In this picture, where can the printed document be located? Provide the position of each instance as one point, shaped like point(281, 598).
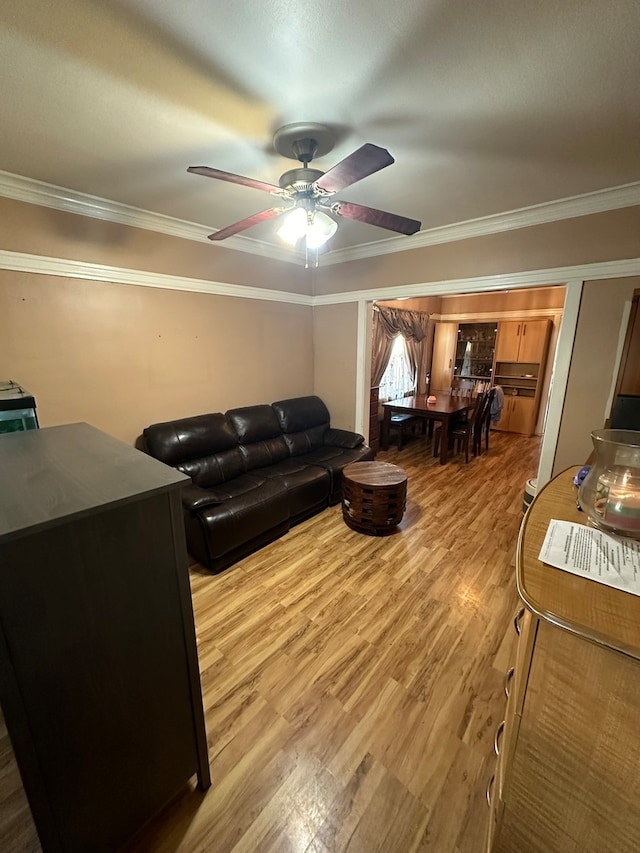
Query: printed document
point(592, 554)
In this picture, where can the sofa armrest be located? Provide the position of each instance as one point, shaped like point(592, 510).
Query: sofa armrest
point(343, 438)
point(195, 498)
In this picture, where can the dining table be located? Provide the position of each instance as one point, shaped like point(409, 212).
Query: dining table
point(444, 407)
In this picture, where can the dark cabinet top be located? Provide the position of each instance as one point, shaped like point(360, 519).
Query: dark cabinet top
point(14, 396)
point(53, 474)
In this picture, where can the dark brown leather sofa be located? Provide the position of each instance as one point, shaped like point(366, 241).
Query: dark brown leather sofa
point(255, 471)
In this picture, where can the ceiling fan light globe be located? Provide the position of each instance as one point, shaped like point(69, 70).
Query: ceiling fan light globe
point(294, 226)
point(320, 230)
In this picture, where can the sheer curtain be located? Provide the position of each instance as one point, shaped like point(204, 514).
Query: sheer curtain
point(413, 326)
point(398, 377)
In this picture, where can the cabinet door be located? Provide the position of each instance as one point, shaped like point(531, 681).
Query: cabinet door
point(508, 343)
point(444, 349)
point(573, 783)
point(533, 335)
point(521, 415)
point(517, 415)
point(503, 423)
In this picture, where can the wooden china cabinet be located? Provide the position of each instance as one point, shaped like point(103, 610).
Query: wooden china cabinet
point(519, 364)
point(566, 777)
point(520, 360)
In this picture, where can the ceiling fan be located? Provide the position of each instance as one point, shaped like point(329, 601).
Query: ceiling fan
point(308, 193)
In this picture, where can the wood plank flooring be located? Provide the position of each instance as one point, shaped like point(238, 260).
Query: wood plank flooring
point(352, 684)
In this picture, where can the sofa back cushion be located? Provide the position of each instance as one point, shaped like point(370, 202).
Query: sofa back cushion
point(259, 435)
point(204, 447)
point(304, 421)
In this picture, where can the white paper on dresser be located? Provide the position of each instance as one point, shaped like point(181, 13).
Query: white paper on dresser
point(592, 554)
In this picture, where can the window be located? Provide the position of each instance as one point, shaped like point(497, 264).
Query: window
point(397, 379)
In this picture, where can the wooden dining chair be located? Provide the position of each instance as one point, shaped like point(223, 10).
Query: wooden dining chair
point(462, 433)
point(484, 424)
point(462, 387)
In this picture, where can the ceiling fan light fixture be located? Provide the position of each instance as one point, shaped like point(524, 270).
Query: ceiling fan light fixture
point(294, 226)
point(320, 229)
point(316, 226)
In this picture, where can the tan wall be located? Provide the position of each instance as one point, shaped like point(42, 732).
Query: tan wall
point(121, 357)
point(53, 233)
point(124, 356)
point(335, 358)
point(593, 368)
point(583, 240)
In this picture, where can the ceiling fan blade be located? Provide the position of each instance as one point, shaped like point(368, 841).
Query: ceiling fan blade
point(256, 219)
point(381, 218)
point(365, 161)
point(208, 172)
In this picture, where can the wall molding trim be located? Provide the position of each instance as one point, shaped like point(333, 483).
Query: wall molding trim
point(32, 191)
point(65, 268)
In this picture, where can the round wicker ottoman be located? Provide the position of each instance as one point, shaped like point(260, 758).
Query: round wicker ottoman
point(374, 496)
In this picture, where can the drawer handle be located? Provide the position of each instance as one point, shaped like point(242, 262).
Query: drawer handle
point(489, 792)
point(518, 620)
point(507, 681)
point(496, 739)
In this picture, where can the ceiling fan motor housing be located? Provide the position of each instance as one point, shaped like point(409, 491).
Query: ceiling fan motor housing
point(300, 181)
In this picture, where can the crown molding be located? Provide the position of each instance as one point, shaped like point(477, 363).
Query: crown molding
point(600, 201)
point(64, 268)
point(32, 191)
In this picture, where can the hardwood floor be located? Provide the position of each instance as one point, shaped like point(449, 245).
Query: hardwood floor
point(353, 684)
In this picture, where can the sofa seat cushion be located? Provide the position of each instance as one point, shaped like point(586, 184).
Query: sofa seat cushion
point(307, 486)
point(248, 513)
point(334, 459)
point(195, 498)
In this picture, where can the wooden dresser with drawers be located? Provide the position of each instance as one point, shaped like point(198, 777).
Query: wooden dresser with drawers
point(566, 777)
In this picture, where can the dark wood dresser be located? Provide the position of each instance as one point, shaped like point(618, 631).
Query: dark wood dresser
point(99, 680)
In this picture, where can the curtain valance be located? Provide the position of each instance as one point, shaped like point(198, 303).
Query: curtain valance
point(410, 324)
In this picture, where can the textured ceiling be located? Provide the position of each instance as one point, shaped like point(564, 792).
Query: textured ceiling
point(486, 107)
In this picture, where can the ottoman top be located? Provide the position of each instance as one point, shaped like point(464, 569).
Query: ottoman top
point(374, 474)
